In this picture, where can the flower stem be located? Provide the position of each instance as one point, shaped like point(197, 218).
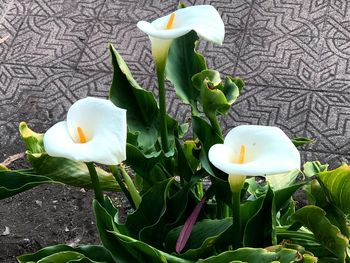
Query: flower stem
point(117, 175)
point(95, 183)
point(131, 187)
point(162, 107)
point(236, 216)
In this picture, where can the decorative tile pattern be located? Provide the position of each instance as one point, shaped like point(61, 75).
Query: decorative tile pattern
point(38, 96)
point(329, 122)
point(129, 41)
point(49, 42)
point(293, 55)
point(334, 69)
point(9, 26)
point(278, 60)
point(285, 108)
point(134, 11)
point(79, 9)
point(294, 17)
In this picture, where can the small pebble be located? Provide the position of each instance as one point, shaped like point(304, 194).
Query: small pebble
point(39, 203)
point(6, 232)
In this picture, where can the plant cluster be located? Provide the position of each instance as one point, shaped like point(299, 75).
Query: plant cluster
point(195, 195)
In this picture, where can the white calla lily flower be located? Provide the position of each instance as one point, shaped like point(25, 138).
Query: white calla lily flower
point(253, 150)
point(95, 131)
point(204, 19)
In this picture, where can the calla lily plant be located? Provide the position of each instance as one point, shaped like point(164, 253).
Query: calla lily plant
point(164, 30)
point(189, 200)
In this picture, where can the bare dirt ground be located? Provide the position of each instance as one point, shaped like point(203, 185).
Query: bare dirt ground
point(46, 215)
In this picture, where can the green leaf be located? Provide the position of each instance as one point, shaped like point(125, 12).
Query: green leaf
point(143, 164)
point(260, 228)
point(125, 249)
point(184, 160)
point(202, 239)
point(313, 168)
point(208, 137)
point(314, 218)
point(212, 99)
point(232, 88)
point(70, 172)
point(318, 196)
point(216, 98)
point(256, 255)
point(15, 182)
point(152, 207)
point(300, 141)
point(191, 151)
point(183, 62)
point(176, 206)
point(280, 181)
point(64, 253)
point(141, 106)
point(282, 196)
point(60, 169)
point(337, 183)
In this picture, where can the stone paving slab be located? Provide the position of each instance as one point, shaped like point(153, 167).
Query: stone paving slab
point(294, 56)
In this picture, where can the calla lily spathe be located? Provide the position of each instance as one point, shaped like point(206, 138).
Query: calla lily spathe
point(204, 19)
point(95, 131)
point(268, 151)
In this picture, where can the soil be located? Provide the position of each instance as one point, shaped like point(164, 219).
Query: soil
point(43, 216)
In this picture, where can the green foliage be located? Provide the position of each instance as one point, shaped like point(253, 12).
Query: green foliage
point(64, 253)
point(260, 255)
point(141, 106)
point(314, 218)
point(280, 181)
point(314, 168)
point(300, 141)
point(183, 62)
point(215, 96)
point(260, 228)
point(203, 237)
point(15, 182)
point(337, 184)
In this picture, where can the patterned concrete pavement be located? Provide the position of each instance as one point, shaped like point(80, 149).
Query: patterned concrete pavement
point(293, 54)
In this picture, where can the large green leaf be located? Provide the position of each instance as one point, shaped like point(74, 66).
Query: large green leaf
point(152, 207)
point(260, 228)
point(260, 255)
point(203, 237)
point(282, 196)
point(144, 165)
point(125, 249)
point(337, 183)
point(64, 253)
point(61, 169)
point(70, 172)
point(314, 218)
point(15, 182)
point(176, 206)
point(208, 137)
point(183, 62)
point(318, 196)
point(141, 106)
